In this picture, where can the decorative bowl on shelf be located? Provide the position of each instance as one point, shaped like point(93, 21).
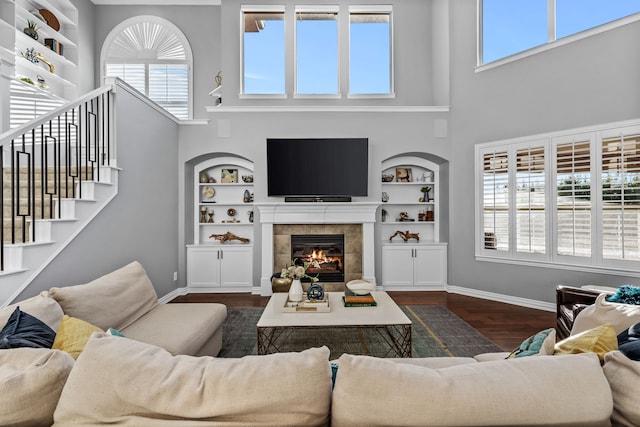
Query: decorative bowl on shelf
point(387, 177)
point(360, 287)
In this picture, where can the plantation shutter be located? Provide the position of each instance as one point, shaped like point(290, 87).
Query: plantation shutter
point(495, 207)
point(133, 74)
point(621, 198)
point(573, 200)
point(169, 87)
point(530, 200)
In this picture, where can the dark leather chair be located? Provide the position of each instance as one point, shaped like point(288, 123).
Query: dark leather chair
point(569, 302)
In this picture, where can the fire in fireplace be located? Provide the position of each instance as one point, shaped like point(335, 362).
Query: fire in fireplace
point(326, 249)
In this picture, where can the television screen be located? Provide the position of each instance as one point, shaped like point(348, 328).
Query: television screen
point(317, 167)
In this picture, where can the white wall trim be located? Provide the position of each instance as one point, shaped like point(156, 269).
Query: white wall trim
point(329, 109)
point(173, 294)
point(508, 299)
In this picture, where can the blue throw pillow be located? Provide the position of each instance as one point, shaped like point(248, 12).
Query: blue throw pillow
point(25, 330)
point(626, 294)
point(629, 342)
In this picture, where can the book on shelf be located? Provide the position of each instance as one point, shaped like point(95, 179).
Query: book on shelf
point(54, 45)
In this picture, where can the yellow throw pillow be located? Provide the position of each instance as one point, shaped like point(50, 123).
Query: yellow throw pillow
point(73, 335)
point(600, 340)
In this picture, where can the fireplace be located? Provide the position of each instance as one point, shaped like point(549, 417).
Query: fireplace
point(326, 249)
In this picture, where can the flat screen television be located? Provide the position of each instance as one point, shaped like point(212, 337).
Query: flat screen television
point(315, 167)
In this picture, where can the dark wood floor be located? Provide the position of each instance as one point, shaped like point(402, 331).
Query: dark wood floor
point(505, 324)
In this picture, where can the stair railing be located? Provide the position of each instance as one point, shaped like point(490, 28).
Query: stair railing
point(48, 159)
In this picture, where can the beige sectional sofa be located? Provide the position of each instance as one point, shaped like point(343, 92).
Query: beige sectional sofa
point(124, 381)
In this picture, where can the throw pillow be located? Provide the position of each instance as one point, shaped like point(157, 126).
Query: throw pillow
point(73, 335)
point(115, 332)
point(629, 342)
point(41, 306)
point(541, 344)
point(626, 294)
point(25, 330)
point(623, 375)
point(620, 316)
point(599, 340)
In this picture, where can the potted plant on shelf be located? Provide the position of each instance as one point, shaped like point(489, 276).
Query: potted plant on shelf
point(31, 29)
point(425, 193)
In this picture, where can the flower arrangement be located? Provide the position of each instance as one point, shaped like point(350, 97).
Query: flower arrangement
point(297, 272)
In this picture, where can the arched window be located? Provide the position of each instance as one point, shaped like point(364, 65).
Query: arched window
point(152, 55)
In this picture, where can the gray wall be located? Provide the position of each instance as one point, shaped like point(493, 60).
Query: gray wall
point(140, 223)
point(200, 25)
point(86, 45)
point(587, 82)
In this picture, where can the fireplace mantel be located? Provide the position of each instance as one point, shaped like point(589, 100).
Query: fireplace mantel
point(316, 213)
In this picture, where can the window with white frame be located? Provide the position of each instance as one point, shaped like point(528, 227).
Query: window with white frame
point(152, 55)
point(317, 50)
point(318, 44)
point(263, 50)
point(568, 198)
point(370, 50)
point(509, 27)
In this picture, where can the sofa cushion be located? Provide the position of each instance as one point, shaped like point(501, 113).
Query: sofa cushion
point(178, 328)
point(120, 381)
point(73, 335)
point(495, 393)
point(41, 306)
point(599, 340)
point(620, 316)
point(25, 330)
point(114, 300)
point(31, 380)
point(624, 379)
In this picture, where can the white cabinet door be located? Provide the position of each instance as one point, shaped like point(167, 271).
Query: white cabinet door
point(236, 267)
point(397, 266)
point(430, 266)
point(203, 267)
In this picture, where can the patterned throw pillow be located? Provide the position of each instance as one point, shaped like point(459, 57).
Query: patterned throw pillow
point(626, 294)
point(25, 330)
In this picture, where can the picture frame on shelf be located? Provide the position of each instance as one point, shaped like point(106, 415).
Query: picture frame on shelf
point(229, 176)
point(404, 175)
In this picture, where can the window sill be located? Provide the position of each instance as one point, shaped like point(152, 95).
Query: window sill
point(616, 271)
point(327, 109)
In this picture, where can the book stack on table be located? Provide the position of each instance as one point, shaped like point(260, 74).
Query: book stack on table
point(353, 300)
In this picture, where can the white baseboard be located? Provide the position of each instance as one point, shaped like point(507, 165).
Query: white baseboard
point(173, 294)
point(508, 299)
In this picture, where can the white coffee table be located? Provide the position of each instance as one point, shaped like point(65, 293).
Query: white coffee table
point(386, 318)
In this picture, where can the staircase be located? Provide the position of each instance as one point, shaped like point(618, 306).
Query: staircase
point(58, 173)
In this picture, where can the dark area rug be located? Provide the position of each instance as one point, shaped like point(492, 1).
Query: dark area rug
point(435, 332)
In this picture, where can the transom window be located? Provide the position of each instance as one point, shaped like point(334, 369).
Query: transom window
point(571, 198)
point(317, 50)
point(318, 45)
point(509, 27)
point(152, 55)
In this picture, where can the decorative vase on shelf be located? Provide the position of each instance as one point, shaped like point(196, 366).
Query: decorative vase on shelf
point(295, 291)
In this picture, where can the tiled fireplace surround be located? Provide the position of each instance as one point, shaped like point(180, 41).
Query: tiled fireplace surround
point(278, 221)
